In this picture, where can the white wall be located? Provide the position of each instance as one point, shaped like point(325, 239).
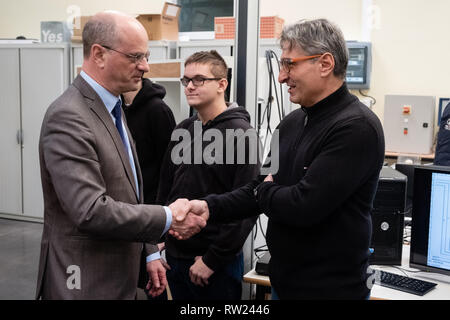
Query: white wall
point(411, 49)
point(23, 17)
point(409, 37)
point(345, 13)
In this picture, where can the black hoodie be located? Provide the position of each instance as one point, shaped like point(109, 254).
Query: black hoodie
point(217, 243)
point(151, 123)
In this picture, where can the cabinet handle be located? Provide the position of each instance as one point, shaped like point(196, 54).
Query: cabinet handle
point(19, 137)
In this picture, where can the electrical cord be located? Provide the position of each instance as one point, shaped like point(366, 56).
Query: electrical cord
point(260, 249)
point(273, 90)
point(275, 94)
point(374, 101)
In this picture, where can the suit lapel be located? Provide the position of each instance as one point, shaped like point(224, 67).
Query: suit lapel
point(97, 106)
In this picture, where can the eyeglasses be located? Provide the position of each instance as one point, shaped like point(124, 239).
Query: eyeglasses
point(196, 81)
point(136, 58)
point(287, 63)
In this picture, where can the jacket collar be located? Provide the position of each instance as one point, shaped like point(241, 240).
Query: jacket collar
point(329, 103)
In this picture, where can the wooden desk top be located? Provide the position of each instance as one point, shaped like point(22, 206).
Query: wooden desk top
point(254, 278)
point(422, 156)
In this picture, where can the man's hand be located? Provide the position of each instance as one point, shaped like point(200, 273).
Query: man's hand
point(199, 272)
point(184, 223)
point(157, 281)
point(191, 225)
point(180, 208)
point(200, 208)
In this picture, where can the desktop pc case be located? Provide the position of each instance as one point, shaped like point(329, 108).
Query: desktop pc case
point(388, 218)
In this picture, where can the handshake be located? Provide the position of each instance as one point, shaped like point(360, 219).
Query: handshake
point(188, 218)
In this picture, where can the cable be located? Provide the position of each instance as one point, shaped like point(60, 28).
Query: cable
point(374, 101)
point(272, 90)
point(260, 225)
point(274, 94)
point(260, 249)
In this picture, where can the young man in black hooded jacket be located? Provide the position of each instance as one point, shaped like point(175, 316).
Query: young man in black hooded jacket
point(210, 264)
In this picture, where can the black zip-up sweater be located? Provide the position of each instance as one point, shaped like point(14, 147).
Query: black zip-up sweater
point(319, 204)
point(217, 243)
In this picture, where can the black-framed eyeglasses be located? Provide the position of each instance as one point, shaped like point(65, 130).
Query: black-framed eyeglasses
point(196, 81)
point(136, 58)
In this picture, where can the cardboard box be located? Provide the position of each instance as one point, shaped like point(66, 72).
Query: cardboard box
point(55, 31)
point(162, 26)
point(164, 70)
point(78, 25)
point(270, 27)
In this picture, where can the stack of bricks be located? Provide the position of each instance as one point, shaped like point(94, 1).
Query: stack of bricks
point(224, 27)
point(270, 27)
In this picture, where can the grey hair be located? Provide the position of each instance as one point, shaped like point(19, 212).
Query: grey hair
point(101, 31)
point(317, 37)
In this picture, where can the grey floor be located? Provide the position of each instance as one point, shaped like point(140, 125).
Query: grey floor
point(20, 245)
point(19, 257)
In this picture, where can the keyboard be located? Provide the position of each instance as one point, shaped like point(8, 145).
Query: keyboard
point(402, 283)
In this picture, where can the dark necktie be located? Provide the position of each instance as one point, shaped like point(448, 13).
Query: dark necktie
point(117, 113)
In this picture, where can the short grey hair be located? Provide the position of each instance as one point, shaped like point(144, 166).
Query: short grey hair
point(101, 31)
point(318, 37)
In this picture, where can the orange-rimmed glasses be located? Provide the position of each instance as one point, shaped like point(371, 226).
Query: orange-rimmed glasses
point(287, 63)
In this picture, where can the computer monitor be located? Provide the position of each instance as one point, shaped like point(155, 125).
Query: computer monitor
point(359, 65)
point(430, 230)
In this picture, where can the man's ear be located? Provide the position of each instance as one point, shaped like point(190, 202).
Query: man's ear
point(326, 64)
point(98, 55)
point(223, 84)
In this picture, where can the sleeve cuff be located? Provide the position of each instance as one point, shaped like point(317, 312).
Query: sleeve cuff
point(153, 256)
point(168, 219)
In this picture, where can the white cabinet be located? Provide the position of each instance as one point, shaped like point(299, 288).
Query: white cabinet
point(10, 125)
point(32, 77)
point(223, 47)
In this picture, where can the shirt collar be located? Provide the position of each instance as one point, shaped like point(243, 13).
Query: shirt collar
point(109, 100)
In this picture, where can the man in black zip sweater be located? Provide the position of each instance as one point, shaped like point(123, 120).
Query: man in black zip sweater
point(210, 264)
point(330, 154)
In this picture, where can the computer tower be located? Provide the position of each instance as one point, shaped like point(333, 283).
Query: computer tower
point(388, 218)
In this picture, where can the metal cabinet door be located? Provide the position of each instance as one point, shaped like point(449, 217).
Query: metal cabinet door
point(44, 77)
point(10, 154)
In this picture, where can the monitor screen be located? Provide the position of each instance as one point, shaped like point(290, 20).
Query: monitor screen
point(359, 65)
point(430, 230)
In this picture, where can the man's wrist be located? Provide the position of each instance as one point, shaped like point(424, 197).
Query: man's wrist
point(168, 219)
point(153, 257)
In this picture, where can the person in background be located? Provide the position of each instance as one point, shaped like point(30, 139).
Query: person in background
point(209, 265)
point(442, 154)
point(151, 123)
point(318, 203)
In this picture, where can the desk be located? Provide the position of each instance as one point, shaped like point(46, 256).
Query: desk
point(262, 284)
point(390, 154)
point(440, 292)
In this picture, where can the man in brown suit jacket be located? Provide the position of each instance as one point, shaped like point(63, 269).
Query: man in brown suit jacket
point(94, 222)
